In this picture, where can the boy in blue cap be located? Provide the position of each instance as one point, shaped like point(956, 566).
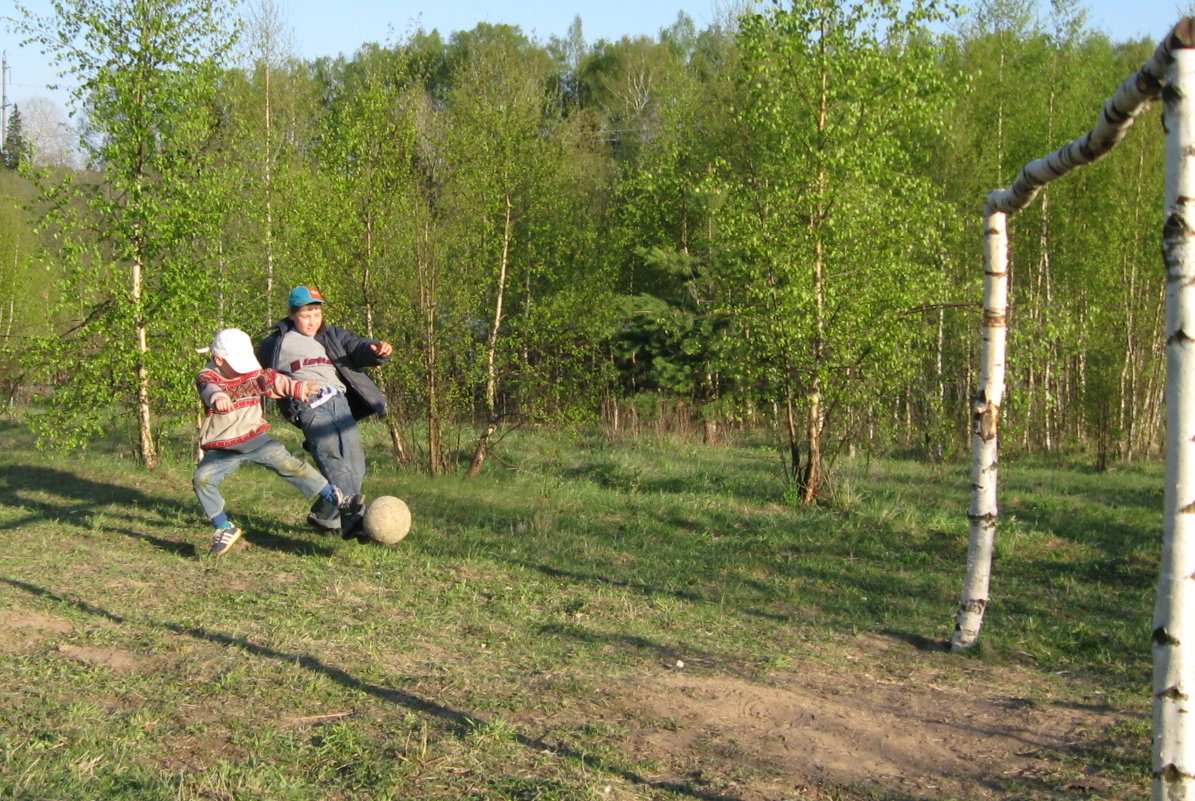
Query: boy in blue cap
point(302, 346)
point(232, 387)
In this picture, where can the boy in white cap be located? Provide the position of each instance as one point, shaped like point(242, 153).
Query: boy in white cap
point(232, 387)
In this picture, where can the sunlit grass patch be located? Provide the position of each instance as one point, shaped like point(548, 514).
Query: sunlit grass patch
point(484, 657)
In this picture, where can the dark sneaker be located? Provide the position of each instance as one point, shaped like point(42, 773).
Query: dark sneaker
point(352, 527)
point(325, 512)
point(223, 539)
point(352, 504)
point(324, 525)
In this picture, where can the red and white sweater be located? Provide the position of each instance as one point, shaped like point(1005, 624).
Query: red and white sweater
point(238, 426)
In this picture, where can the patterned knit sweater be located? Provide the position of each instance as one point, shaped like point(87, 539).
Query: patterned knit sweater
point(237, 428)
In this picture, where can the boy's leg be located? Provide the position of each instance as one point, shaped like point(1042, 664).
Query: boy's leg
point(334, 442)
point(325, 512)
point(302, 476)
point(209, 474)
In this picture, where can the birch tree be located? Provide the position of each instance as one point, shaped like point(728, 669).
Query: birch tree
point(498, 135)
point(367, 142)
point(820, 269)
point(1174, 625)
point(269, 52)
point(1119, 113)
point(144, 73)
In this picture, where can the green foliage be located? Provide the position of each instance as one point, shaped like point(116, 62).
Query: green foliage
point(133, 239)
point(678, 344)
point(17, 149)
point(831, 225)
point(787, 201)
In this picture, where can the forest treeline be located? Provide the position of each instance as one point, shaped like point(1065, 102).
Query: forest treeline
point(771, 222)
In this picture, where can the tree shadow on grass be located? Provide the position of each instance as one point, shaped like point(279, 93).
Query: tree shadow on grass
point(50, 495)
point(267, 533)
point(458, 722)
point(918, 641)
point(647, 590)
point(596, 578)
point(753, 483)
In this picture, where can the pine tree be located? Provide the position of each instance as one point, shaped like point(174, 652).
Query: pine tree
point(17, 151)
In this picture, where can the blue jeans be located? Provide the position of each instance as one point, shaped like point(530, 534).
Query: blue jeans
point(217, 464)
point(334, 441)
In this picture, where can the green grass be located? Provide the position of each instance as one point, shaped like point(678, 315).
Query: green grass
point(477, 659)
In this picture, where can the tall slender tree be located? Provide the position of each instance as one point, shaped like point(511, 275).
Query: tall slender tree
point(144, 73)
point(17, 150)
point(1119, 114)
point(501, 127)
point(835, 97)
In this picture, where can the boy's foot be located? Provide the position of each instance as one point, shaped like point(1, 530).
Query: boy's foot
point(326, 526)
point(353, 528)
point(352, 504)
point(223, 539)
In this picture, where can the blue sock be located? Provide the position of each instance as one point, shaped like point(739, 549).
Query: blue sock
point(221, 521)
point(328, 493)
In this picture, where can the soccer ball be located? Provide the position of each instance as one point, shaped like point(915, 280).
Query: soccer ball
point(387, 519)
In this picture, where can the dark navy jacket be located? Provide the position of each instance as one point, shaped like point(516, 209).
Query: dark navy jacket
point(349, 352)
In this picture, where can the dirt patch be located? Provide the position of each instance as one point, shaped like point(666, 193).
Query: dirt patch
point(22, 628)
point(911, 736)
point(111, 658)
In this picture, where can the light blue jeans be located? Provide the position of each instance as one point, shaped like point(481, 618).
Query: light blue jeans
point(334, 441)
point(217, 464)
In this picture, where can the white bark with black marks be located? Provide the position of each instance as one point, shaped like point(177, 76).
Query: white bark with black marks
point(983, 513)
point(1119, 113)
point(1174, 610)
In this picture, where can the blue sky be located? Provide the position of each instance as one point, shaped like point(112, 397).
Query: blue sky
point(316, 32)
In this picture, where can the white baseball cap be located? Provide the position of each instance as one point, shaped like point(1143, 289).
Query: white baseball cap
point(234, 346)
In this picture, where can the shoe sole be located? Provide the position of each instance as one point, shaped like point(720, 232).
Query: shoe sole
point(320, 527)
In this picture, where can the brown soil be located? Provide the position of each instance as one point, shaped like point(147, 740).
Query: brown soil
point(859, 730)
point(881, 720)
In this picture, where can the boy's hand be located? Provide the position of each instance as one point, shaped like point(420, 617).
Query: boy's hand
point(310, 390)
point(222, 403)
point(382, 349)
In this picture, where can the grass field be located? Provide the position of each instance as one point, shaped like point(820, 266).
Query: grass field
point(547, 631)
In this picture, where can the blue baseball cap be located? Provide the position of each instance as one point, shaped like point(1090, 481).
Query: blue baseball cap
point(304, 295)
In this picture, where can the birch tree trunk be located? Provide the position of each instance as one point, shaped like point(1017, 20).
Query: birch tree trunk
point(145, 430)
point(268, 178)
point(984, 513)
point(1119, 113)
point(428, 299)
point(491, 375)
point(811, 479)
point(1174, 611)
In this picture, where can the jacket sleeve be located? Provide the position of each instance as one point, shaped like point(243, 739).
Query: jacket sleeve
point(357, 349)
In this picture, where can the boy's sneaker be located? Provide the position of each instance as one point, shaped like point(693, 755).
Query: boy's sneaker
point(351, 504)
point(324, 525)
point(223, 540)
point(353, 528)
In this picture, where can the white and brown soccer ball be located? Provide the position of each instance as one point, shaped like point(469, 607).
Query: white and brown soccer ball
point(387, 519)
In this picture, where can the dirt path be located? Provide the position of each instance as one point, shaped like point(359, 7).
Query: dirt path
point(831, 727)
point(881, 721)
